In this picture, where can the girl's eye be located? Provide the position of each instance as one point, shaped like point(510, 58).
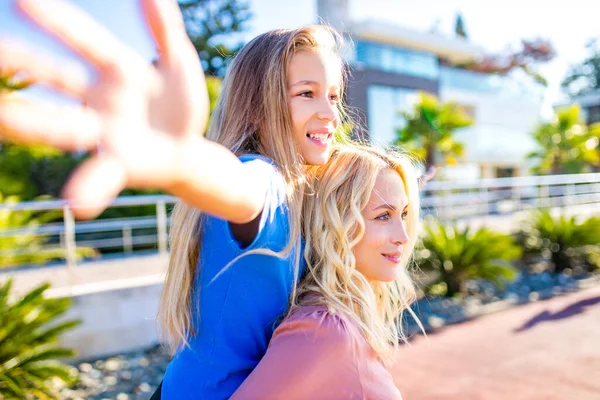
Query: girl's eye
point(334, 97)
point(383, 217)
point(306, 94)
point(404, 215)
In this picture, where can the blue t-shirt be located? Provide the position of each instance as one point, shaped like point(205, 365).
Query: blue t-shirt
point(239, 306)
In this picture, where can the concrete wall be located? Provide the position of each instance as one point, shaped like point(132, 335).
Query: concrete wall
point(116, 319)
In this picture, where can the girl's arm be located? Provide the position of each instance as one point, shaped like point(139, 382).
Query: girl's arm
point(142, 123)
point(208, 176)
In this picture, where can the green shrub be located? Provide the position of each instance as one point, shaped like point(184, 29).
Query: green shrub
point(569, 245)
point(456, 255)
point(29, 353)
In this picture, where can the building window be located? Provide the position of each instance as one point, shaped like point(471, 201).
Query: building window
point(593, 114)
point(476, 82)
point(384, 107)
point(502, 172)
point(398, 60)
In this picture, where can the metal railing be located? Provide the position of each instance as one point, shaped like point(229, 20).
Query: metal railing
point(448, 200)
point(108, 235)
point(467, 199)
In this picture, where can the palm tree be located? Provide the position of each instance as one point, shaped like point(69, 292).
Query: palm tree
point(566, 145)
point(457, 255)
point(28, 350)
point(429, 130)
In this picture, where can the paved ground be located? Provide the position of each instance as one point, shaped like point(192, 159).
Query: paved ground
point(542, 351)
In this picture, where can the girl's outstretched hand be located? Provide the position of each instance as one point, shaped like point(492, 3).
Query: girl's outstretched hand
point(138, 119)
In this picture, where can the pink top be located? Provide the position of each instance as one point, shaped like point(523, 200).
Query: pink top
point(317, 355)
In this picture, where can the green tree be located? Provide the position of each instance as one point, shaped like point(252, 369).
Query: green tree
point(459, 27)
point(429, 130)
point(211, 26)
point(29, 354)
point(32, 170)
point(584, 77)
point(456, 255)
point(566, 145)
point(213, 86)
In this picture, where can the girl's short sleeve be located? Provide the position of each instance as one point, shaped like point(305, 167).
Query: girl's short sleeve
point(273, 230)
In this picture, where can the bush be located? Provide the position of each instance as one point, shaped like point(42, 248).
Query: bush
point(29, 331)
point(569, 245)
point(455, 256)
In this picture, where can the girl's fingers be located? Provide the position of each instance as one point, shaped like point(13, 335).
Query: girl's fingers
point(94, 185)
point(65, 127)
point(83, 34)
point(68, 77)
point(167, 27)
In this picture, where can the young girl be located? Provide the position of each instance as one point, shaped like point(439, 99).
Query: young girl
point(279, 108)
point(360, 227)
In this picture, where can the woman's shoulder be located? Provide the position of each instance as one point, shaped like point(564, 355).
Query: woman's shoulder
point(319, 320)
point(316, 334)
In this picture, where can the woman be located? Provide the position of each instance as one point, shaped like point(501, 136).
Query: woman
point(360, 227)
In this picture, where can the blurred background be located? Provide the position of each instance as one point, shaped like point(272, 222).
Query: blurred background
point(502, 99)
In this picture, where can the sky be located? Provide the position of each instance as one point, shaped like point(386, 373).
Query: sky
point(498, 25)
point(495, 26)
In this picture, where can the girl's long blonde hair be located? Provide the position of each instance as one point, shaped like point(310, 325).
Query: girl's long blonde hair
point(332, 225)
point(252, 116)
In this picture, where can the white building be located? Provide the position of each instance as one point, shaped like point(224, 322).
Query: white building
point(391, 64)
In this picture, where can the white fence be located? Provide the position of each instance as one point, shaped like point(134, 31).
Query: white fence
point(448, 200)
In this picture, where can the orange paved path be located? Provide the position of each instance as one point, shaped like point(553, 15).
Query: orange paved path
point(549, 350)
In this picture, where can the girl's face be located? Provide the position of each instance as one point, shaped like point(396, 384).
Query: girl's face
point(379, 252)
point(314, 80)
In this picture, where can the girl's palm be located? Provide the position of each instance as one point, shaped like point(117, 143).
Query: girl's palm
point(138, 118)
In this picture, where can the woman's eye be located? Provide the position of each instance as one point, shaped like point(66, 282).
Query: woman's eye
point(404, 215)
point(383, 217)
point(306, 94)
point(334, 97)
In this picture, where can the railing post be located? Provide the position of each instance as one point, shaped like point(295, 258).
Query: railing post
point(484, 196)
point(516, 197)
point(569, 195)
point(127, 239)
point(69, 237)
point(161, 226)
point(446, 204)
point(488, 205)
point(545, 196)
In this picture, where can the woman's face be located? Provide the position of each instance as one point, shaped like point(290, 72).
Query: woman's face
point(314, 80)
point(380, 250)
